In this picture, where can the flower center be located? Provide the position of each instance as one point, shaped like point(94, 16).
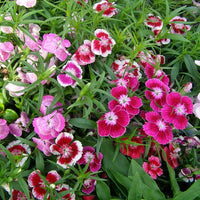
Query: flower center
point(111, 118)
point(124, 100)
point(72, 71)
point(161, 125)
point(67, 151)
point(88, 157)
point(180, 110)
point(157, 93)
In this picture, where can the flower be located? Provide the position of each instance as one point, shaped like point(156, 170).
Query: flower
point(156, 127)
point(153, 167)
point(84, 55)
point(130, 104)
point(90, 156)
point(162, 40)
point(49, 126)
point(185, 173)
point(104, 45)
point(105, 7)
point(197, 62)
point(17, 195)
point(19, 151)
point(187, 87)
point(14, 90)
point(176, 109)
point(154, 22)
point(39, 188)
point(113, 123)
point(5, 50)
point(69, 196)
point(177, 27)
point(66, 79)
point(4, 129)
point(54, 44)
point(68, 152)
point(26, 3)
point(88, 186)
point(7, 29)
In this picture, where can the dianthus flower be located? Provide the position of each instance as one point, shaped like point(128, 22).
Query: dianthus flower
point(68, 152)
point(5, 50)
point(103, 46)
point(177, 27)
point(162, 40)
point(153, 167)
point(49, 126)
point(90, 156)
point(17, 195)
point(88, 186)
point(84, 55)
point(7, 29)
point(176, 109)
point(113, 123)
point(105, 7)
point(156, 127)
point(186, 174)
point(26, 3)
point(73, 68)
point(154, 22)
point(4, 129)
point(14, 90)
point(130, 104)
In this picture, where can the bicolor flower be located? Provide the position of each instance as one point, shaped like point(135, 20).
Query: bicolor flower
point(153, 167)
point(68, 152)
point(17, 195)
point(113, 123)
point(89, 186)
point(7, 29)
point(84, 55)
point(49, 126)
point(162, 40)
point(14, 90)
point(107, 9)
point(6, 49)
point(19, 151)
point(89, 156)
point(176, 109)
point(39, 188)
point(66, 79)
point(103, 44)
point(4, 129)
point(156, 127)
point(69, 196)
point(154, 22)
point(186, 174)
point(26, 3)
point(177, 27)
point(130, 104)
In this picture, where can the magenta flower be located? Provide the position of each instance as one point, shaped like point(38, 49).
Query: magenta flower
point(103, 46)
point(4, 129)
point(39, 188)
point(17, 195)
point(69, 196)
point(113, 123)
point(130, 104)
point(84, 55)
point(105, 7)
point(157, 93)
point(176, 109)
point(68, 152)
point(14, 90)
point(89, 155)
point(20, 151)
point(154, 22)
point(49, 126)
point(54, 44)
point(65, 79)
point(88, 186)
point(46, 102)
point(156, 127)
point(26, 3)
point(5, 50)
point(153, 167)
point(186, 174)
point(177, 27)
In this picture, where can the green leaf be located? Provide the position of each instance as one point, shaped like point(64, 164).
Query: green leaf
point(103, 191)
point(39, 160)
point(24, 187)
point(83, 123)
point(150, 194)
point(175, 71)
point(10, 115)
point(178, 37)
point(2, 195)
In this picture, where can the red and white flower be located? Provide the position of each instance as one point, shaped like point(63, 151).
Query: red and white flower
point(113, 123)
point(17, 195)
point(160, 41)
point(103, 46)
point(68, 152)
point(69, 196)
point(65, 79)
point(107, 8)
point(154, 22)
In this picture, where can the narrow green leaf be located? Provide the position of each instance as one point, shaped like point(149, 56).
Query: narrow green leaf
point(103, 191)
point(24, 187)
point(99, 105)
point(39, 160)
point(178, 37)
point(150, 194)
point(175, 71)
point(83, 123)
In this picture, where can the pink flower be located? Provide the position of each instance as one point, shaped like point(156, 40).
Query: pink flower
point(39, 188)
point(26, 3)
point(187, 87)
point(69, 196)
point(65, 79)
point(49, 126)
point(4, 129)
point(17, 195)
point(20, 151)
point(68, 152)
point(105, 7)
point(84, 55)
point(154, 22)
point(103, 46)
point(153, 167)
point(186, 174)
point(156, 127)
point(46, 102)
point(54, 44)
point(113, 123)
point(130, 104)
point(90, 156)
point(157, 93)
point(88, 186)
point(7, 29)
point(176, 109)
point(133, 150)
point(177, 27)
point(197, 62)
point(5, 50)
point(14, 90)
